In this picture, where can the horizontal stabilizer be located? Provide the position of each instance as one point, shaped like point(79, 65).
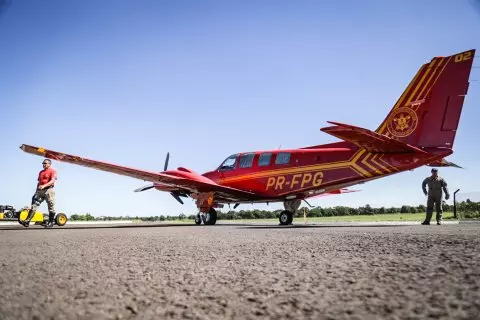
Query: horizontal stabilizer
point(338, 191)
point(443, 163)
point(369, 140)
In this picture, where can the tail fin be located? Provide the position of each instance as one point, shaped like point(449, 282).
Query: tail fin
point(427, 113)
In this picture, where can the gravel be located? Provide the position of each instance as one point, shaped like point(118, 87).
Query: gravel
point(240, 272)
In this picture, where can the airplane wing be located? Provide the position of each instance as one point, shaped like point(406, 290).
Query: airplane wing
point(369, 140)
point(195, 183)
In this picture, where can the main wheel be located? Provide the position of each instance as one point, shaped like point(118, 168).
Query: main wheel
point(211, 217)
point(61, 219)
point(198, 220)
point(286, 217)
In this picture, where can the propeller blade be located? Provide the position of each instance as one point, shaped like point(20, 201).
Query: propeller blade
point(176, 197)
point(150, 186)
point(166, 162)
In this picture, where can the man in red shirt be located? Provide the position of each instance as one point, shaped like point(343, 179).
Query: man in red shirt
point(45, 185)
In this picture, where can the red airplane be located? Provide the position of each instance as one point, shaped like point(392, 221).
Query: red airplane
point(419, 130)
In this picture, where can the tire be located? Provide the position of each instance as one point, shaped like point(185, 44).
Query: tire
point(9, 214)
point(198, 220)
point(285, 218)
point(61, 219)
point(211, 217)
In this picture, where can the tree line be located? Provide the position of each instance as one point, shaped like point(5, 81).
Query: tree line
point(467, 209)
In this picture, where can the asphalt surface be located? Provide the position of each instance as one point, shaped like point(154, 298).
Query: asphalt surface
point(240, 272)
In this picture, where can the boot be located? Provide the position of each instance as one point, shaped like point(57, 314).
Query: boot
point(51, 220)
point(26, 222)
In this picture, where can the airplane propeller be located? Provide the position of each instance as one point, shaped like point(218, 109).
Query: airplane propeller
point(174, 194)
point(150, 186)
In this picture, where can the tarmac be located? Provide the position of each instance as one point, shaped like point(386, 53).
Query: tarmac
point(240, 271)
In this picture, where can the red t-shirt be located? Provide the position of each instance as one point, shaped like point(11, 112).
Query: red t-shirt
point(46, 175)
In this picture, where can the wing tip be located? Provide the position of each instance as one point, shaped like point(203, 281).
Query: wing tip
point(34, 150)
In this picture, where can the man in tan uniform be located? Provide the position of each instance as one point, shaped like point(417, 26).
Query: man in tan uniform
point(435, 186)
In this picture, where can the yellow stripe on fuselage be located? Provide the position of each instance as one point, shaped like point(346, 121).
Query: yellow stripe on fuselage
point(357, 167)
point(378, 164)
point(288, 170)
point(327, 166)
point(380, 158)
point(271, 173)
point(364, 161)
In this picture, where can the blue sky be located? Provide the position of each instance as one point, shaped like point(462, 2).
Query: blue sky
point(128, 81)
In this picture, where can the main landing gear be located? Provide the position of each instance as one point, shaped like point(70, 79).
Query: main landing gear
point(208, 218)
point(291, 206)
point(286, 217)
point(205, 204)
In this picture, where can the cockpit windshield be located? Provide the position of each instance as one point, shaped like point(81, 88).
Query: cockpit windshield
point(229, 163)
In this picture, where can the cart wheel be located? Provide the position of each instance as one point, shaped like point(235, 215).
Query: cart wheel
point(61, 219)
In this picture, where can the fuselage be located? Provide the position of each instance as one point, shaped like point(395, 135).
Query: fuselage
point(311, 171)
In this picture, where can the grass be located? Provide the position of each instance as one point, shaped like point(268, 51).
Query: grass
point(377, 217)
point(360, 218)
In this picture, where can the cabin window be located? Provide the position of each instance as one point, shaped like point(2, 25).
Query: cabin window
point(282, 158)
point(264, 159)
point(246, 160)
point(228, 164)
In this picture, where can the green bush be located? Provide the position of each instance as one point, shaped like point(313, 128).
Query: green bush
point(468, 209)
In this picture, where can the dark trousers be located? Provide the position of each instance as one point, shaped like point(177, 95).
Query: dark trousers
point(437, 201)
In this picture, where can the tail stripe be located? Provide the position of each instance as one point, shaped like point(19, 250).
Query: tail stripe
point(437, 72)
point(412, 93)
point(433, 84)
point(383, 127)
point(420, 84)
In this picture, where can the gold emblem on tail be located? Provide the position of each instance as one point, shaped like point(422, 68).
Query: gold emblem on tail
point(402, 122)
